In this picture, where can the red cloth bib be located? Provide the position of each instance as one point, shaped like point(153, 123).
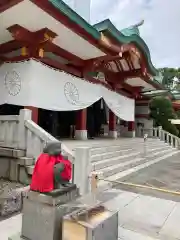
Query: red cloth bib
point(43, 175)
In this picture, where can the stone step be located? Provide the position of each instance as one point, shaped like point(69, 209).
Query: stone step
point(10, 152)
point(116, 168)
point(110, 154)
point(124, 147)
point(122, 158)
point(30, 169)
point(25, 161)
point(120, 176)
point(114, 161)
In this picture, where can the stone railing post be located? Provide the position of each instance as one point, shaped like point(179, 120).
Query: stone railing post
point(25, 114)
point(155, 132)
point(82, 169)
point(160, 132)
point(173, 141)
point(169, 139)
point(162, 135)
point(177, 143)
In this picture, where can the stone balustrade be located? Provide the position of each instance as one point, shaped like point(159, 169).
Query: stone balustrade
point(169, 138)
point(20, 132)
point(163, 135)
point(9, 131)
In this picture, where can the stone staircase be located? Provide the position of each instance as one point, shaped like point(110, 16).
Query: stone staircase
point(13, 164)
point(115, 159)
point(118, 161)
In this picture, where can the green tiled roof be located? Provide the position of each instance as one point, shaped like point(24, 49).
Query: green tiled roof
point(127, 35)
point(130, 31)
point(66, 10)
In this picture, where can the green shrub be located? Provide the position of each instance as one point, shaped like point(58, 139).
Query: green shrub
point(161, 111)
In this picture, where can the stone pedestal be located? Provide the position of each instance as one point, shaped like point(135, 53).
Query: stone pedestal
point(42, 214)
point(130, 134)
point(112, 125)
point(81, 128)
point(81, 134)
point(113, 134)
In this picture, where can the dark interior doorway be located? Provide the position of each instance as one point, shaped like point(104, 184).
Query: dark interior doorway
point(9, 109)
point(57, 123)
point(96, 116)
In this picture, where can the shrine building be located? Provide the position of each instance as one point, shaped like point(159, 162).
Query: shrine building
point(72, 75)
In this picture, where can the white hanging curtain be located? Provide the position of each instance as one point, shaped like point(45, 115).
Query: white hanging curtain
point(60, 91)
point(31, 83)
point(121, 106)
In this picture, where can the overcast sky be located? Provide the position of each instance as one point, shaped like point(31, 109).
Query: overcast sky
point(161, 29)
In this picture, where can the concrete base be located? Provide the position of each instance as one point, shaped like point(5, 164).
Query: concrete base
point(113, 134)
point(44, 213)
point(81, 134)
point(131, 134)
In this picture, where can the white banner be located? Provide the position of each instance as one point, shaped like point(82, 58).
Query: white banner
point(31, 83)
point(121, 106)
point(15, 79)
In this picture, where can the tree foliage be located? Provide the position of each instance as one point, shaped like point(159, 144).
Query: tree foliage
point(171, 78)
point(161, 111)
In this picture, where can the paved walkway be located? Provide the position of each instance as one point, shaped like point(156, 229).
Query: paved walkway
point(140, 217)
point(164, 175)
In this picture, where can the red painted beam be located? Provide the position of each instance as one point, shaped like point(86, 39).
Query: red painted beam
point(135, 91)
point(51, 47)
point(121, 76)
point(104, 59)
point(6, 4)
point(38, 38)
point(14, 59)
point(22, 34)
point(10, 46)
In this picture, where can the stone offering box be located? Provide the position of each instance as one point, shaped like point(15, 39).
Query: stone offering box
point(96, 223)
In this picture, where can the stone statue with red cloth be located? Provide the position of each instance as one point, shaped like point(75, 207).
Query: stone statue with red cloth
point(52, 170)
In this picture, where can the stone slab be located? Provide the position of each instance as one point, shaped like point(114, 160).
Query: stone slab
point(122, 200)
point(126, 234)
point(16, 237)
point(171, 227)
point(10, 227)
point(145, 214)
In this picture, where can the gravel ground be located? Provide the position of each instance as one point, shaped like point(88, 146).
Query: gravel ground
point(10, 199)
point(6, 186)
